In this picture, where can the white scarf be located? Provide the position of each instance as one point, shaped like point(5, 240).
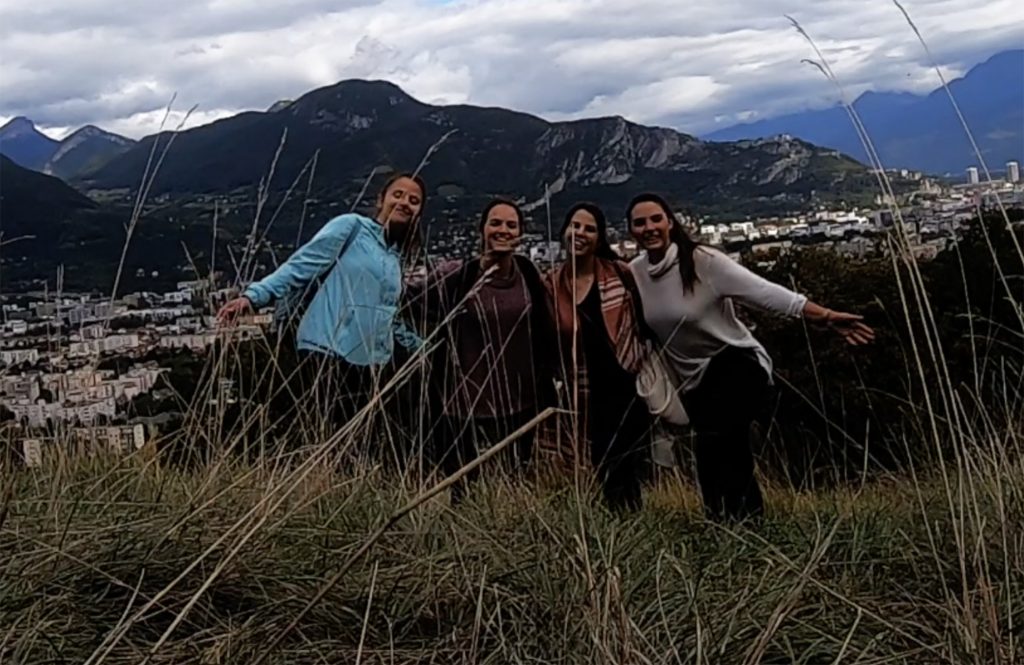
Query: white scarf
point(667, 262)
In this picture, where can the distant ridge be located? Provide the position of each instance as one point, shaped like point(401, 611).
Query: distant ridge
point(80, 153)
point(25, 145)
point(920, 132)
point(356, 125)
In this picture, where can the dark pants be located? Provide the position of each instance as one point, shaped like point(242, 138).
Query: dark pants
point(461, 440)
point(330, 390)
point(620, 438)
point(392, 428)
point(732, 396)
point(305, 398)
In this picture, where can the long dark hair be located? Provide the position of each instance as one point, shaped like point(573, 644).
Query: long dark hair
point(412, 241)
point(676, 233)
point(604, 248)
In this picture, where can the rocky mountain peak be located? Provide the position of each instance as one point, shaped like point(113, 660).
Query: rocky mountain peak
point(18, 126)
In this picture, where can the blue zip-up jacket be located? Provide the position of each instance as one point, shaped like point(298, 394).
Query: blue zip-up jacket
point(353, 314)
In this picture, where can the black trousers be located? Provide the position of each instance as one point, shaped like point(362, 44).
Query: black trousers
point(732, 397)
point(306, 397)
point(461, 440)
point(620, 439)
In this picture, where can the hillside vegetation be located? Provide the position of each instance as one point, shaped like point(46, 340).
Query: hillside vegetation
point(237, 539)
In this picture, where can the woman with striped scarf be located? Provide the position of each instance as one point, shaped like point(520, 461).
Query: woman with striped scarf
point(598, 315)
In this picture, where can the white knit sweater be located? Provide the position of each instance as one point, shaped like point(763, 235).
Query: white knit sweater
point(694, 326)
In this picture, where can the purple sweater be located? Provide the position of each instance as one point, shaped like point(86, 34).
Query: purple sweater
point(494, 353)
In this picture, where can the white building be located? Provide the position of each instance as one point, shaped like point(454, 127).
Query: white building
point(85, 441)
point(76, 381)
point(742, 227)
point(1012, 172)
point(194, 341)
point(972, 176)
point(94, 331)
point(89, 312)
point(17, 356)
point(16, 327)
point(626, 248)
point(265, 319)
point(36, 414)
point(21, 387)
point(109, 344)
point(546, 252)
point(709, 233)
point(162, 313)
point(177, 298)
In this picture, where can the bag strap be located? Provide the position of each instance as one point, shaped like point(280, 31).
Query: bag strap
point(325, 273)
point(310, 290)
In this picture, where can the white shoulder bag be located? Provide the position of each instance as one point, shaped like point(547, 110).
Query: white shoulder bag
point(656, 385)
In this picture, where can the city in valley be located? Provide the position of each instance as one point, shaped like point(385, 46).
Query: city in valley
point(73, 365)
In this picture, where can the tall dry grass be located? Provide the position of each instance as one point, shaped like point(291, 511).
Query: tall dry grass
point(131, 561)
point(277, 536)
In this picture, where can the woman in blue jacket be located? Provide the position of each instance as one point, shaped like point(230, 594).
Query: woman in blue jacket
point(344, 287)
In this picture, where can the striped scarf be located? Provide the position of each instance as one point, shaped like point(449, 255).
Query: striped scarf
point(619, 309)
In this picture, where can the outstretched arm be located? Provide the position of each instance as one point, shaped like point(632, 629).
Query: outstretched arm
point(730, 279)
point(305, 264)
point(427, 299)
point(850, 327)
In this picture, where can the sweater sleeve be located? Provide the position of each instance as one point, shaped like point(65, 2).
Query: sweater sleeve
point(305, 264)
point(430, 299)
point(731, 280)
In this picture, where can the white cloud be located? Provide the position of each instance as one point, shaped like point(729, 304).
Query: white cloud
point(695, 66)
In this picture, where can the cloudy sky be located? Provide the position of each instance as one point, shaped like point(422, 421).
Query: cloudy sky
point(696, 65)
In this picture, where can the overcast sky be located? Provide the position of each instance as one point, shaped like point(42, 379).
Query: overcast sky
point(695, 65)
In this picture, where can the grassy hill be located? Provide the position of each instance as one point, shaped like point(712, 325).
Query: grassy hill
point(131, 560)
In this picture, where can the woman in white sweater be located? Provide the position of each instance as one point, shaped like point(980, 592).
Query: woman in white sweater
point(723, 372)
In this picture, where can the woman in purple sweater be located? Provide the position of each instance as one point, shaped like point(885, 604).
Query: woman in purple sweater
point(723, 373)
point(492, 373)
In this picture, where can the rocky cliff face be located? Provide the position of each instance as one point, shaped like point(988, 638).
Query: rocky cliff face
point(85, 150)
point(357, 125)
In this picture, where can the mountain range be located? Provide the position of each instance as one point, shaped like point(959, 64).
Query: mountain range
point(355, 126)
point(920, 132)
point(81, 152)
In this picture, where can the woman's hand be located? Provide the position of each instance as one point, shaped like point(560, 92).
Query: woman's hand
point(233, 309)
point(850, 326)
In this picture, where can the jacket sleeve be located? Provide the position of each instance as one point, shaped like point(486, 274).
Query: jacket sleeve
point(731, 280)
point(306, 264)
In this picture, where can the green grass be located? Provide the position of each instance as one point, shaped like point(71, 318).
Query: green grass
point(101, 557)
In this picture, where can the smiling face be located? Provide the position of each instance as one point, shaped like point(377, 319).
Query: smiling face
point(582, 234)
point(649, 225)
point(400, 205)
point(502, 230)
